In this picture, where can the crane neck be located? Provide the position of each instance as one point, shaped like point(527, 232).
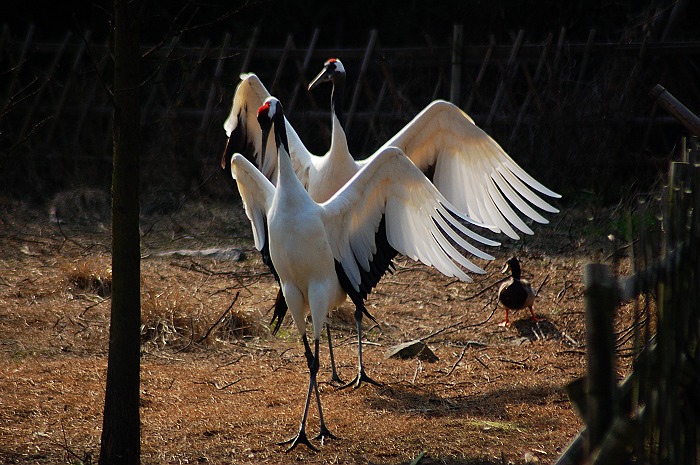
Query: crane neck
point(287, 179)
point(338, 98)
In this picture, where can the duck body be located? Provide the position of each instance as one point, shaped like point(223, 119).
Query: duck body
point(515, 293)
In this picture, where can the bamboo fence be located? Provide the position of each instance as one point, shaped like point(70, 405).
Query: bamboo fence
point(562, 109)
point(652, 416)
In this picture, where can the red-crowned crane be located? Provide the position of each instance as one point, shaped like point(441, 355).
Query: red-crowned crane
point(326, 251)
point(466, 165)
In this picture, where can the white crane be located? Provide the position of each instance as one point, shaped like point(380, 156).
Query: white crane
point(466, 165)
point(324, 252)
point(321, 179)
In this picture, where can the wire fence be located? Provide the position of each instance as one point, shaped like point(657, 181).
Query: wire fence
point(577, 115)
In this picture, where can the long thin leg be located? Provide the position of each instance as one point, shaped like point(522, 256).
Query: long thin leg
point(312, 361)
point(334, 374)
point(325, 432)
point(361, 375)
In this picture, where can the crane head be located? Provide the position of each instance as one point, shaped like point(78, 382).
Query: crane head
point(332, 71)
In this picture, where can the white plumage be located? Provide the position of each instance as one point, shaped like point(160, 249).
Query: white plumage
point(323, 252)
point(466, 165)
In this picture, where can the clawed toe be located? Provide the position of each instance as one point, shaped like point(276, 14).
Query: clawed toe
point(359, 379)
point(336, 381)
point(324, 434)
point(300, 438)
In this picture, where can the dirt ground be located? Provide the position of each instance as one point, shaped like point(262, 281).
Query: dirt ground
point(218, 387)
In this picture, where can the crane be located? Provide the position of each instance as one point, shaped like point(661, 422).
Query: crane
point(466, 165)
point(325, 252)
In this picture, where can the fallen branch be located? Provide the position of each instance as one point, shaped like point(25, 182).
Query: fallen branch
point(461, 356)
point(211, 328)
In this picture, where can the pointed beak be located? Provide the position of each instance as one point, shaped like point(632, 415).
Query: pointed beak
point(320, 78)
point(228, 153)
point(265, 140)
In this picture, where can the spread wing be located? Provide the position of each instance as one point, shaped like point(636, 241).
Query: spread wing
point(419, 222)
point(245, 136)
point(256, 192)
point(471, 170)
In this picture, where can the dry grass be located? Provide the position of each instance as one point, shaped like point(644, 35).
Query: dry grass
point(218, 388)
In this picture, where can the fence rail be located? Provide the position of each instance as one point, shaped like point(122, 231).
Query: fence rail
point(562, 109)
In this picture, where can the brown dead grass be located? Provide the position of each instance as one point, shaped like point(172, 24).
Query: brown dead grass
point(495, 396)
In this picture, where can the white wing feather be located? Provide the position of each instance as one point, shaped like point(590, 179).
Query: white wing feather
point(467, 163)
point(418, 220)
point(256, 192)
point(249, 96)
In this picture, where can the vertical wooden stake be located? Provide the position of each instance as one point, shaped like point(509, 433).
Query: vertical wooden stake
point(601, 298)
point(363, 70)
point(457, 47)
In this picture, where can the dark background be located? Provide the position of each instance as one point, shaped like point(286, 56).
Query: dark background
point(347, 23)
point(579, 143)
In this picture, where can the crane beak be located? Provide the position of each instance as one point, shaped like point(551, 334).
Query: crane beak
point(228, 153)
point(265, 140)
point(323, 76)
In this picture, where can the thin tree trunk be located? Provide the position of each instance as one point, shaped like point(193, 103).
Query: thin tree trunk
point(121, 422)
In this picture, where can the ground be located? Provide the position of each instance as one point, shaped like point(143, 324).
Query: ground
point(218, 387)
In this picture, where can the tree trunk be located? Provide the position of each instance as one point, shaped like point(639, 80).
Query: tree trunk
point(121, 422)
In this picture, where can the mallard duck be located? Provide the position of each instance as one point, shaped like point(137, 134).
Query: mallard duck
point(515, 293)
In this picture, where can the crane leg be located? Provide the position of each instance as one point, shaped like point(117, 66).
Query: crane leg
point(334, 374)
point(312, 361)
point(361, 375)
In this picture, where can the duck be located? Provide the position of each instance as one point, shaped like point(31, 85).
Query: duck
point(515, 293)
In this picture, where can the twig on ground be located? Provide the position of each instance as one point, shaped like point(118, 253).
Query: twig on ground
point(217, 385)
point(82, 314)
point(514, 362)
point(233, 361)
point(546, 278)
point(419, 367)
point(474, 296)
point(561, 293)
point(461, 356)
point(572, 340)
point(455, 325)
point(65, 237)
point(211, 328)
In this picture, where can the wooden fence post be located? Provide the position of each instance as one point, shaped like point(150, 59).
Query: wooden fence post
point(288, 46)
point(457, 47)
point(29, 116)
point(601, 299)
point(506, 77)
point(363, 70)
point(480, 76)
point(679, 111)
point(251, 50)
point(217, 78)
point(302, 71)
